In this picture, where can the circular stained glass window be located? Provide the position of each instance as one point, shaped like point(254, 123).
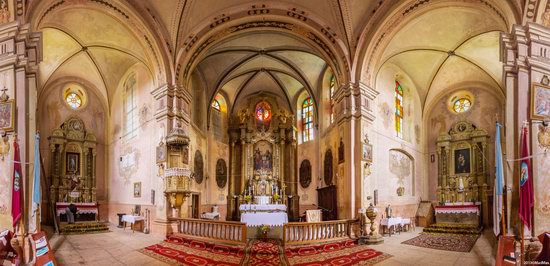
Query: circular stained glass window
point(462, 105)
point(73, 100)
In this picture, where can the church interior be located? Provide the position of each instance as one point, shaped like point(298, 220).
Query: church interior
point(305, 132)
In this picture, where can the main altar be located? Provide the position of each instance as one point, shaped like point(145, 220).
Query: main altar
point(263, 179)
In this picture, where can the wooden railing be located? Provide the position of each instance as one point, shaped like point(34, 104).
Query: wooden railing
point(220, 231)
point(305, 233)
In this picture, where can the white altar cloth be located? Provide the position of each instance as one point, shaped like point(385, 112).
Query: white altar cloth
point(132, 218)
point(262, 207)
point(261, 218)
point(389, 222)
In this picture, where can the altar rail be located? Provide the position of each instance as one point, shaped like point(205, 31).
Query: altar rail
point(221, 231)
point(305, 233)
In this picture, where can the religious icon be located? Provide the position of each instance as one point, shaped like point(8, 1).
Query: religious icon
point(73, 163)
point(367, 152)
point(7, 115)
point(221, 173)
point(137, 190)
point(305, 173)
point(462, 161)
point(540, 102)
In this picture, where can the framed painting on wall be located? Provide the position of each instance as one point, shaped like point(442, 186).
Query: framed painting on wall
point(367, 152)
point(72, 163)
point(462, 161)
point(7, 115)
point(540, 102)
point(137, 190)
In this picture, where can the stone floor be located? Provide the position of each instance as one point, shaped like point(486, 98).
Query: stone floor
point(120, 247)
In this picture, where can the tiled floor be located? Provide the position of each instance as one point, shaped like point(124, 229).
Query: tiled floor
point(119, 247)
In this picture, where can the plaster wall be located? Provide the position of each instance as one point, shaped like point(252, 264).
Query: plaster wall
point(132, 160)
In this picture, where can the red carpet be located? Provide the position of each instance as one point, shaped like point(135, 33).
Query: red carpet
point(179, 250)
point(337, 253)
point(264, 252)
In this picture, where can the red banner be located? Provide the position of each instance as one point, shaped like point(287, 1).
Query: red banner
point(17, 185)
point(526, 197)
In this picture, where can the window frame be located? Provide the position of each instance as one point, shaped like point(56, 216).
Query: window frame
point(307, 120)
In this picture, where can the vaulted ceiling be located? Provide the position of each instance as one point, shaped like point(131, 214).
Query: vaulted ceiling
point(100, 40)
point(261, 61)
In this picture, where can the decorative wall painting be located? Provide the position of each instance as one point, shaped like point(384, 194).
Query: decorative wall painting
point(540, 102)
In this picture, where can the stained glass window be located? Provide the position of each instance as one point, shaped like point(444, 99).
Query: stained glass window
point(73, 100)
point(462, 105)
point(216, 105)
point(332, 86)
point(307, 120)
point(398, 109)
point(263, 112)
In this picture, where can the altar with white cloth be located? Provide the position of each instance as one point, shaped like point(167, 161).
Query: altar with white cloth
point(263, 214)
point(458, 214)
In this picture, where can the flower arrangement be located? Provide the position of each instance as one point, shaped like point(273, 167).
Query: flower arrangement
point(248, 198)
point(276, 197)
point(264, 229)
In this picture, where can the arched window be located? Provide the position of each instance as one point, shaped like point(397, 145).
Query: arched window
point(130, 107)
point(398, 109)
point(332, 86)
point(216, 105)
point(307, 120)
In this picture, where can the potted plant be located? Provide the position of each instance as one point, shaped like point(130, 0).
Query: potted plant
point(264, 229)
point(248, 198)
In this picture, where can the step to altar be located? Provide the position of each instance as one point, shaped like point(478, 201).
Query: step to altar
point(458, 229)
point(84, 228)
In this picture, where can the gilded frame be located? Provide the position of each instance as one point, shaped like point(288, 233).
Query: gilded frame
point(7, 106)
point(540, 106)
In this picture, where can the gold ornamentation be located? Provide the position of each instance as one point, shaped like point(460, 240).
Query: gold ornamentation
point(544, 136)
point(4, 146)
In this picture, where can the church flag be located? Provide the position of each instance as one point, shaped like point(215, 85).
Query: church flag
point(526, 197)
point(499, 183)
point(17, 182)
point(36, 196)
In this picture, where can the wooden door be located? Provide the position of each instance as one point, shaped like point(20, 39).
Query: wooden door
point(195, 206)
point(327, 202)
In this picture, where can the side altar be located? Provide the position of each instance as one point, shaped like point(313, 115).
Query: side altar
point(463, 175)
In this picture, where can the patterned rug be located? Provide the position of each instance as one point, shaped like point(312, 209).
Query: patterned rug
point(336, 253)
point(458, 243)
point(177, 250)
point(264, 252)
